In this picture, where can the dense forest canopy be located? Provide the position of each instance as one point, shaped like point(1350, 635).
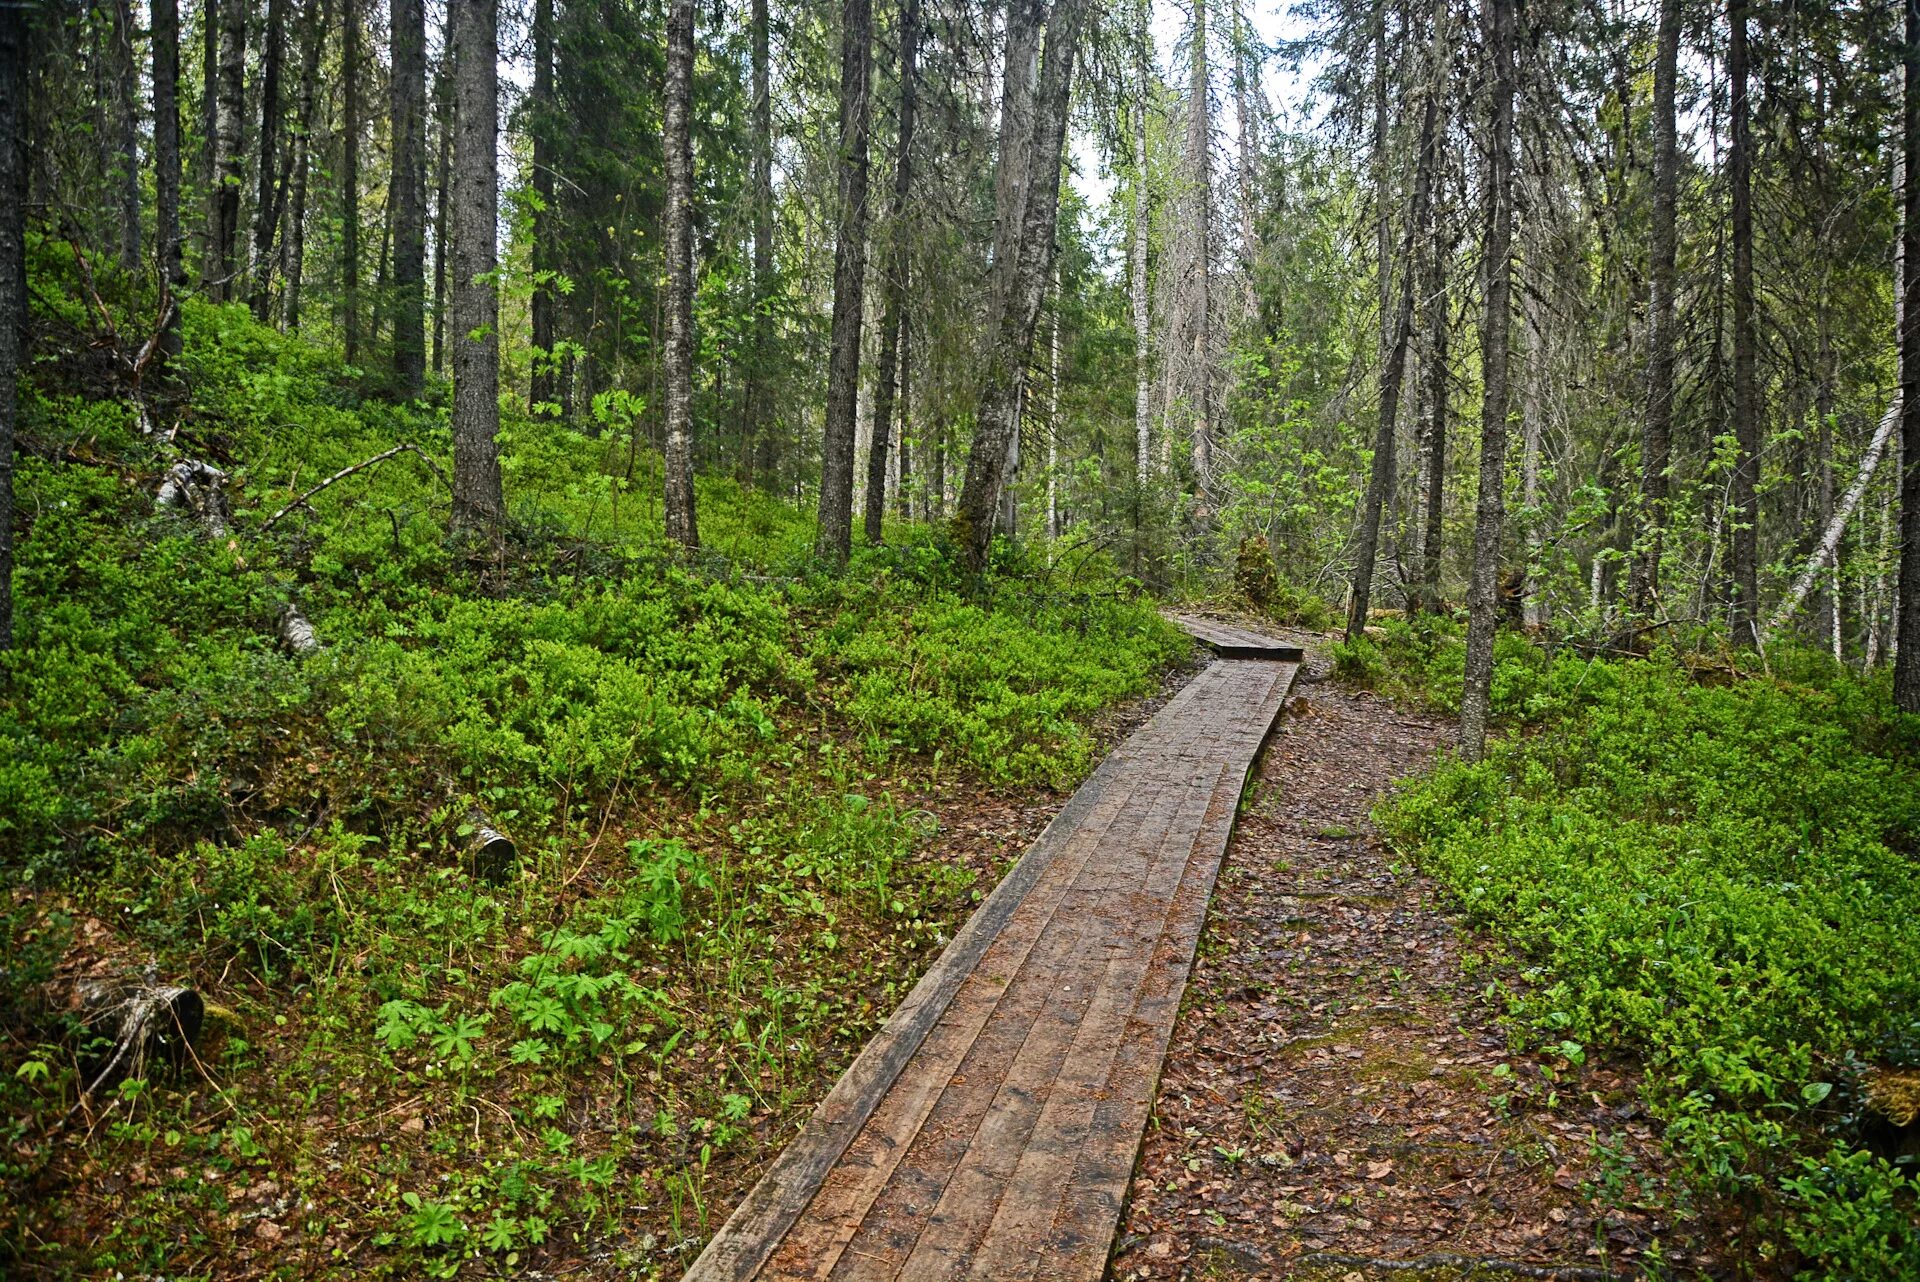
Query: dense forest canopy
point(804, 247)
point(705, 418)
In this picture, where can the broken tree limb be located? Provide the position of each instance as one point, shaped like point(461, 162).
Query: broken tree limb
point(345, 472)
point(1836, 528)
point(195, 486)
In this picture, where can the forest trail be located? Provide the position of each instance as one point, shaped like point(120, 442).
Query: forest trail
point(989, 1130)
point(1338, 1103)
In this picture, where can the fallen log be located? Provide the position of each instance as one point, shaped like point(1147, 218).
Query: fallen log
point(196, 487)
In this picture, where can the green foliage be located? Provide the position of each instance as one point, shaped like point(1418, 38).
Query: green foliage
point(711, 769)
point(1721, 877)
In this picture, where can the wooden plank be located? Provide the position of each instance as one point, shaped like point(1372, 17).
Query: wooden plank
point(1002, 1105)
point(743, 1243)
point(1032, 1191)
point(848, 1192)
point(1013, 1107)
point(1230, 641)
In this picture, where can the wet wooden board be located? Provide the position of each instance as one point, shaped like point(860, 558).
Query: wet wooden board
point(988, 1131)
point(1232, 642)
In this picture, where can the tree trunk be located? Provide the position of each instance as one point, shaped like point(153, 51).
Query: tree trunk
point(1643, 579)
point(1827, 601)
point(478, 504)
point(1011, 170)
point(15, 48)
point(902, 502)
point(293, 245)
point(1382, 178)
point(835, 541)
point(172, 270)
point(443, 91)
point(544, 382)
point(126, 125)
point(350, 177)
point(1497, 269)
point(266, 206)
point(758, 427)
point(682, 527)
point(407, 195)
point(208, 159)
point(230, 163)
point(1743, 614)
point(895, 279)
point(1246, 74)
point(1533, 411)
point(1383, 478)
point(1200, 156)
point(1011, 328)
point(1906, 655)
point(1433, 474)
point(1053, 415)
point(1137, 275)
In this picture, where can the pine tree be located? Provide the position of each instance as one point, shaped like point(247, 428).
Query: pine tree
point(407, 195)
point(1497, 287)
point(835, 541)
point(682, 527)
point(478, 503)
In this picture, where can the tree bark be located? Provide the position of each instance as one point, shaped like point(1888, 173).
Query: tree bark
point(443, 91)
point(759, 407)
point(172, 270)
point(835, 541)
point(478, 503)
point(126, 124)
point(543, 384)
point(1433, 471)
point(1200, 157)
point(15, 49)
point(1011, 170)
point(230, 163)
point(208, 161)
point(1497, 267)
point(1643, 577)
point(407, 194)
point(1382, 178)
point(1906, 655)
point(902, 502)
point(350, 177)
point(266, 205)
point(1053, 414)
point(1137, 274)
point(682, 527)
point(1246, 72)
point(1015, 318)
point(1534, 399)
point(293, 244)
point(1383, 477)
point(1745, 519)
point(895, 278)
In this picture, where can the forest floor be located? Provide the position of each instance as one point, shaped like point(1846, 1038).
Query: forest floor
point(1338, 1094)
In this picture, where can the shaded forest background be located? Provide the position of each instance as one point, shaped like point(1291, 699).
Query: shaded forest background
point(1263, 330)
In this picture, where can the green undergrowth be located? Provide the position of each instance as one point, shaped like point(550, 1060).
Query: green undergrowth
point(1717, 872)
point(721, 775)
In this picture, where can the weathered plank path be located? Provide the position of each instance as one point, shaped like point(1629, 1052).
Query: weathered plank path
point(989, 1130)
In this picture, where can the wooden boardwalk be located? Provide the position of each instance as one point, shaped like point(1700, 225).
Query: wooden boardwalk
point(989, 1130)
